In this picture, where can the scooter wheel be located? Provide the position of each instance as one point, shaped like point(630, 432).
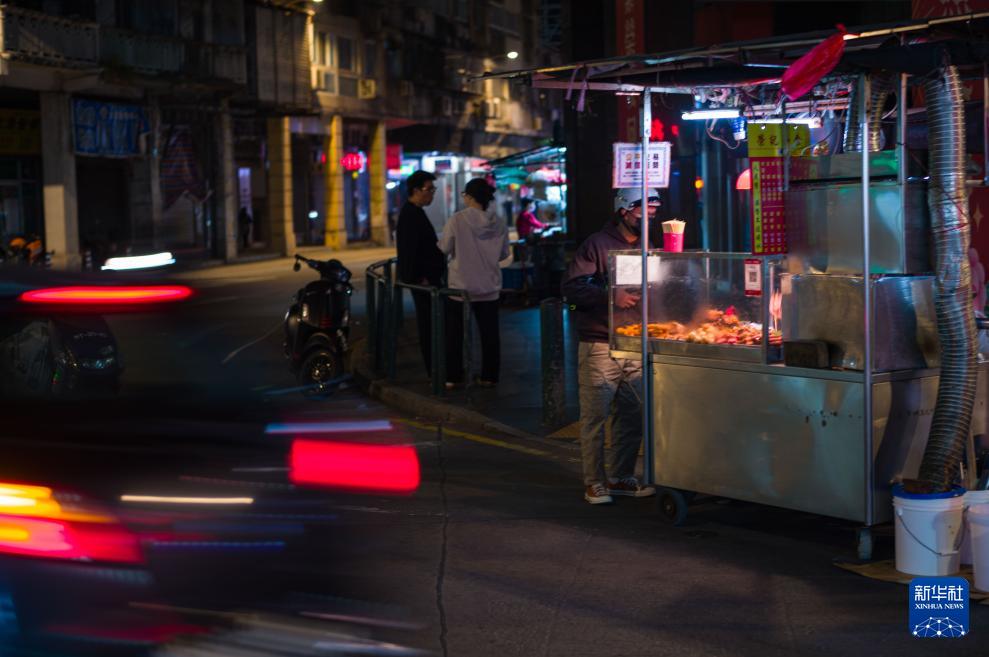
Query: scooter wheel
point(319, 367)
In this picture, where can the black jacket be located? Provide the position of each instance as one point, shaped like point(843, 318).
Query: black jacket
point(585, 287)
point(418, 256)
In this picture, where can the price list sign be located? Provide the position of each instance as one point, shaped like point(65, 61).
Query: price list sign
point(768, 215)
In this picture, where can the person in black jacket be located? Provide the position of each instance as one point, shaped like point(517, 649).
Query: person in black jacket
point(605, 382)
point(420, 261)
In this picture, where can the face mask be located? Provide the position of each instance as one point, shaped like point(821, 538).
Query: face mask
point(632, 224)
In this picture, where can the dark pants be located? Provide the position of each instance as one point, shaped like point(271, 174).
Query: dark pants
point(486, 315)
point(424, 322)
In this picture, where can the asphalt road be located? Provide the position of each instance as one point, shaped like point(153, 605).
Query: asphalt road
point(497, 554)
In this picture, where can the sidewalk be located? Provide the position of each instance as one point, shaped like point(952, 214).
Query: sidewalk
point(514, 407)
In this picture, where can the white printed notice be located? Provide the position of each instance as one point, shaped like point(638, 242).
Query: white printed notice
point(628, 269)
point(626, 167)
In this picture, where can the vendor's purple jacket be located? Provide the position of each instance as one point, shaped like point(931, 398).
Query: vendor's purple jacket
point(585, 287)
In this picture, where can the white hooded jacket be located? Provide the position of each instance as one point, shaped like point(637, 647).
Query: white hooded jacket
point(475, 241)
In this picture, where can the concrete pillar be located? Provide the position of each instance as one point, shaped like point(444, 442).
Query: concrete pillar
point(226, 185)
point(59, 171)
point(336, 221)
point(379, 177)
point(280, 186)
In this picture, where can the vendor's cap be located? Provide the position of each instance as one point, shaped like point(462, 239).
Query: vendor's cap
point(632, 197)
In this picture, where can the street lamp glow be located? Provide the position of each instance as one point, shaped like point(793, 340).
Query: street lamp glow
point(513, 55)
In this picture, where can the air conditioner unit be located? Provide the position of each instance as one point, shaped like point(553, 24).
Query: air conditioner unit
point(446, 106)
point(405, 88)
point(367, 88)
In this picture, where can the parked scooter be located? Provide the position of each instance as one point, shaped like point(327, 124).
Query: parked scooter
point(317, 325)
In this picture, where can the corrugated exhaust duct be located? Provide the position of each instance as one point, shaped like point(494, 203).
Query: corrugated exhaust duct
point(948, 203)
point(880, 87)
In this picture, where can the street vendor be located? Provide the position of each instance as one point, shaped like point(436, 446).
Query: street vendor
point(607, 383)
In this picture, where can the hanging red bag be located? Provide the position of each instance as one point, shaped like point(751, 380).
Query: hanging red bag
point(801, 76)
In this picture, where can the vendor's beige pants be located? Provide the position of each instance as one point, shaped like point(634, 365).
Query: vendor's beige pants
point(608, 386)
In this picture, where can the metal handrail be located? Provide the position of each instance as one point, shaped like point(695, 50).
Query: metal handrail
point(384, 321)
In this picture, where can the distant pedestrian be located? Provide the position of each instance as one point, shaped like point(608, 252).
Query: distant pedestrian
point(476, 240)
point(245, 222)
point(420, 262)
point(527, 223)
point(609, 387)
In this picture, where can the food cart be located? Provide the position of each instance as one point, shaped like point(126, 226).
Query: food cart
point(805, 379)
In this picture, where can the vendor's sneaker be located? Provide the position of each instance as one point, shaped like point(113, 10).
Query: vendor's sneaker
point(629, 487)
point(597, 494)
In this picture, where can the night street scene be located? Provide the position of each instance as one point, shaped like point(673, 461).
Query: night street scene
point(484, 328)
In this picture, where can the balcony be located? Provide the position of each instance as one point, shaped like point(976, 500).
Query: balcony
point(210, 61)
point(49, 40)
point(145, 53)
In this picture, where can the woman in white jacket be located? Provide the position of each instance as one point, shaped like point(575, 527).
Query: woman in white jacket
point(475, 240)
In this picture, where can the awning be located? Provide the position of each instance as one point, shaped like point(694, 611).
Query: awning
point(541, 155)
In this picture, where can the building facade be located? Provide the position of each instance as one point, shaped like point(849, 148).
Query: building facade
point(149, 125)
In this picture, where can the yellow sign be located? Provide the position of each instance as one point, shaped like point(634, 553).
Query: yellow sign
point(20, 132)
point(766, 139)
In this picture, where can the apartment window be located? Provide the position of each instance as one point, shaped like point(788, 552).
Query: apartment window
point(324, 49)
point(345, 54)
point(370, 59)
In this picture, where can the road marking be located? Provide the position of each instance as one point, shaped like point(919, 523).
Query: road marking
point(484, 440)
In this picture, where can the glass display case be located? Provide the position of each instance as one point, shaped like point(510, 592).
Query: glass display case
point(724, 306)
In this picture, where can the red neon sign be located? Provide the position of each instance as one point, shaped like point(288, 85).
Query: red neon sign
point(352, 161)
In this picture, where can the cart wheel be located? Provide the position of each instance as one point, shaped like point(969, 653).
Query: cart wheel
point(864, 540)
point(672, 506)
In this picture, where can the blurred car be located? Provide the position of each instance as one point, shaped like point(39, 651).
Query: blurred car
point(133, 524)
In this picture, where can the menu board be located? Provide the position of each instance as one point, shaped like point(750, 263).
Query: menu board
point(768, 215)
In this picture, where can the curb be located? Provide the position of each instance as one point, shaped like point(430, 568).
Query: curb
point(414, 403)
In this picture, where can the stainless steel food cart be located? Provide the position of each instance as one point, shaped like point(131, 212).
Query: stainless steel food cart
point(736, 419)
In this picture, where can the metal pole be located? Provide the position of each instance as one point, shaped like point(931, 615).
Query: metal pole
point(870, 471)
point(370, 286)
point(551, 344)
point(437, 344)
point(647, 465)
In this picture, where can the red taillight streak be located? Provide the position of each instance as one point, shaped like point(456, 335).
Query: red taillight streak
point(59, 539)
point(98, 295)
point(373, 468)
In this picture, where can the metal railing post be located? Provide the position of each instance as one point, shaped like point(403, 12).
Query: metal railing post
point(438, 342)
point(389, 341)
point(371, 287)
point(395, 318)
point(551, 345)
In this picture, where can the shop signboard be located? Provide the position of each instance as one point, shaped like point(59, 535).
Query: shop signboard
point(627, 165)
point(108, 129)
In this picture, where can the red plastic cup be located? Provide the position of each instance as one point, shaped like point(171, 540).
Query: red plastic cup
point(673, 242)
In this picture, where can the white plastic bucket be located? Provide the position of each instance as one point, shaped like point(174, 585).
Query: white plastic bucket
point(972, 498)
point(978, 524)
point(928, 532)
